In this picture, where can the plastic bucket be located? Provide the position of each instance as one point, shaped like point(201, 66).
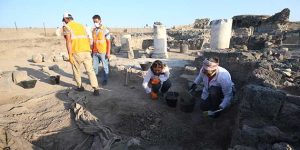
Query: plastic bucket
point(187, 104)
point(172, 98)
point(145, 66)
point(54, 79)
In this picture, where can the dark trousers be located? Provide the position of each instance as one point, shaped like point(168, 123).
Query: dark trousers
point(213, 100)
point(164, 87)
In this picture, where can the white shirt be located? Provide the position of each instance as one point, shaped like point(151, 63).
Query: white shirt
point(222, 79)
point(163, 77)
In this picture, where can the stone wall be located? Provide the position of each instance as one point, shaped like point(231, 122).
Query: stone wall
point(137, 40)
point(195, 38)
point(268, 117)
point(246, 21)
point(201, 23)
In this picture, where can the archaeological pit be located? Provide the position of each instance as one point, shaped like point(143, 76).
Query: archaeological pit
point(265, 114)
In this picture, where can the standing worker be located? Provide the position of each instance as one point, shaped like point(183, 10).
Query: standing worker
point(101, 48)
point(79, 50)
point(157, 79)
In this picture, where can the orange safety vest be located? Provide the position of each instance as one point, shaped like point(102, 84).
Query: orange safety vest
point(79, 37)
point(99, 40)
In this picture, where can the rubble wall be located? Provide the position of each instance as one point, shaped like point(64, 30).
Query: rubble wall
point(137, 40)
point(268, 118)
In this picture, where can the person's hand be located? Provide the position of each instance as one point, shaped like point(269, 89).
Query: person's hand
point(107, 56)
point(148, 90)
point(193, 87)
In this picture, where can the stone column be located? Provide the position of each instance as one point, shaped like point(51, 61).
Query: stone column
point(126, 46)
point(184, 47)
point(220, 33)
point(160, 42)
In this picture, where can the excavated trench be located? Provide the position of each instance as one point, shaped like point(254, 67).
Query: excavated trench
point(129, 113)
point(134, 116)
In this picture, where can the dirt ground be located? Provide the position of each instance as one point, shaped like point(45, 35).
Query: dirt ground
point(42, 115)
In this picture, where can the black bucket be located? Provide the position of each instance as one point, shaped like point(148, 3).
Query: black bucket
point(172, 98)
point(187, 104)
point(54, 79)
point(27, 84)
point(145, 66)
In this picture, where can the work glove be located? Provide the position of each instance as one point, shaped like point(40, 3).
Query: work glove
point(193, 87)
point(148, 90)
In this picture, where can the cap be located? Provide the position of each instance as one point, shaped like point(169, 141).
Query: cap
point(66, 15)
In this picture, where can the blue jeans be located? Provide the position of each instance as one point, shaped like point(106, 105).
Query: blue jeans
point(97, 58)
point(163, 87)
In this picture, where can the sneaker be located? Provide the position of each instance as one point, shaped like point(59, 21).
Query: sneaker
point(104, 82)
point(96, 92)
point(79, 89)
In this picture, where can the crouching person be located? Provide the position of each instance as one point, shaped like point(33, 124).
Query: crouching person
point(218, 88)
point(157, 79)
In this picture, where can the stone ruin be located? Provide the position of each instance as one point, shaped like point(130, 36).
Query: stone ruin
point(196, 36)
point(268, 99)
point(249, 32)
point(258, 32)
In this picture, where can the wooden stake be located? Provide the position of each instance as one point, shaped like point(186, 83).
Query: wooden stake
point(44, 29)
point(16, 26)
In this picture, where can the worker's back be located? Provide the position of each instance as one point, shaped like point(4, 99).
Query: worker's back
point(79, 37)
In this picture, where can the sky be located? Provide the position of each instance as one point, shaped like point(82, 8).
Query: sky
point(135, 13)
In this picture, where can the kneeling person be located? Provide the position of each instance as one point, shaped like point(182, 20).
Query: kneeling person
point(218, 87)
point(157, 79)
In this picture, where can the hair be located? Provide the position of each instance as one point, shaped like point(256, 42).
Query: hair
point(69, 17)
point(214, 59)
point(96, 17)
point(157, 63)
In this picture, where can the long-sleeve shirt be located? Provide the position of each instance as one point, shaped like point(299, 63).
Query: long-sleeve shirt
point(221, 79)
point(149, 75)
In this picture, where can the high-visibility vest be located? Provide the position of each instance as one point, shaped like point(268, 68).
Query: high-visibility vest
point(79, 37)
point(99, 40)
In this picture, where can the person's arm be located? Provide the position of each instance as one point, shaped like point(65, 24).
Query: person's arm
point(67, 35)
point(108, 48)
point(226, 85)
point(146, 81)
point(108, 45)
point(92, 41)
point(166, 74)
point(198, 79)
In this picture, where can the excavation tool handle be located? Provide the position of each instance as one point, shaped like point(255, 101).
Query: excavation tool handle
point(211, 113)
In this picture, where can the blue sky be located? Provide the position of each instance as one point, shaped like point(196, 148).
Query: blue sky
point(135, 13)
